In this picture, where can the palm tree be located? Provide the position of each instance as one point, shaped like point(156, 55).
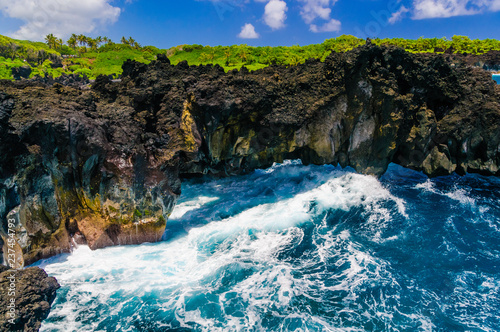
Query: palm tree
point(92, 43)
point(106, 40)
point(50, 39)
point(58, 43)
point(133, 43)
point(227, 55)
point(72, 42)
point(99, 40)
point(82, 40)
point(243, 54)
point(125, 41)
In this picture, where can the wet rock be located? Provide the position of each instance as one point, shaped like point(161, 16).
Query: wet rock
point(103, 165)
point(25, 298)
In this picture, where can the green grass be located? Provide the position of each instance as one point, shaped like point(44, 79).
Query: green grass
point(108, 59)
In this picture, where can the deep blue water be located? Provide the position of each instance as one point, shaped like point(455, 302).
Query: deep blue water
point(496, 78)
point(300, 248)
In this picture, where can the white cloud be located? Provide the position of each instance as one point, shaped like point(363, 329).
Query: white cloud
point(440, 8)
point(449, 8)
point(314, 9)
point(398, 16)
point(274, 14)
point(332, 25)
point(248, 32)
point(495, 6)
point(319, 9)
point(60, 17)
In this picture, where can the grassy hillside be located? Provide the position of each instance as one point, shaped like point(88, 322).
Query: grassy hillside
point(95, 56)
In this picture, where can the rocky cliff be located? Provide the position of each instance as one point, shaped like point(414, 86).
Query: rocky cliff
point(25, 298)
point(103, 165)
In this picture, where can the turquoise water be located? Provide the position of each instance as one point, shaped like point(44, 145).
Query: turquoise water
point(496, 78)
point(300, 248)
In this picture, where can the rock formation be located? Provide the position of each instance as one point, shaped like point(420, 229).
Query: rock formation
point(104, 165)
point(25, 298)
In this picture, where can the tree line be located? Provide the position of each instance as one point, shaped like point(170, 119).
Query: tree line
point(93, 56)
point(257, 57)
point(81, 44)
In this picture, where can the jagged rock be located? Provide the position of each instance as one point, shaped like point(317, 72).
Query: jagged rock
point(71, 80)
point(25, 298)
point(21, 72)
point(104, 164)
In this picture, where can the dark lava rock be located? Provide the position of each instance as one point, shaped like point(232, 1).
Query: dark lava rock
point(72, 80)
point(34, 294)
point(21, 72)
point(104, 165)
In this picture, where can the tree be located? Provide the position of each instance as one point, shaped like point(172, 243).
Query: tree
point(211, 55)
point(133, 43)
point(72, 41)
point(14, 49)
point(106, 40)
point(82, 40)
point(58, 43)
point(243, 52)
point(204, 57)
point(92, 43)
point(227, 55)
point(461, 43)
point(98, 41)
point(50, 39)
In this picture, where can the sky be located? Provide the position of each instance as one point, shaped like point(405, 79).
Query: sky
point(169, 23)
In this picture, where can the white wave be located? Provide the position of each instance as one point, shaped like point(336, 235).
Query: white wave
point(182, 208)
point(458, 194)
point(462, 196)
point(237, 255)
point(277, 166)
point(428, 185)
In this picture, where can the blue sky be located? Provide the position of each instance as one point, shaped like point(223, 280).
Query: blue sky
point(254, 22)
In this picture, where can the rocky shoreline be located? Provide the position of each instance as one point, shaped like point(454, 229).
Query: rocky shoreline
point(103, 166)
point(25, 298)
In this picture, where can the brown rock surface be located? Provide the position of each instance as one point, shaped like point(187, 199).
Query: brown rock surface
point(34, 293)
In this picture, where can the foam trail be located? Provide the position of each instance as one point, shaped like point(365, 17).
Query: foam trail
point(295, 248)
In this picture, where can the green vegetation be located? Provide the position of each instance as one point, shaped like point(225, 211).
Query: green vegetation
point(236, 56)
point(79, 55)
point(95, 56)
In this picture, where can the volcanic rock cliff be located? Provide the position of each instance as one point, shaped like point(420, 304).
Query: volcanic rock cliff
point(103, 165)
point(25, 298)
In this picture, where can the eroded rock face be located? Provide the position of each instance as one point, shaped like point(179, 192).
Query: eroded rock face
point(34, 293)
point(103, 166)
point(366, 109)
point(70, 172)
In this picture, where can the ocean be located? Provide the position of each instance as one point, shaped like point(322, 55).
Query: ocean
point(299, 248)
point(496, 78)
